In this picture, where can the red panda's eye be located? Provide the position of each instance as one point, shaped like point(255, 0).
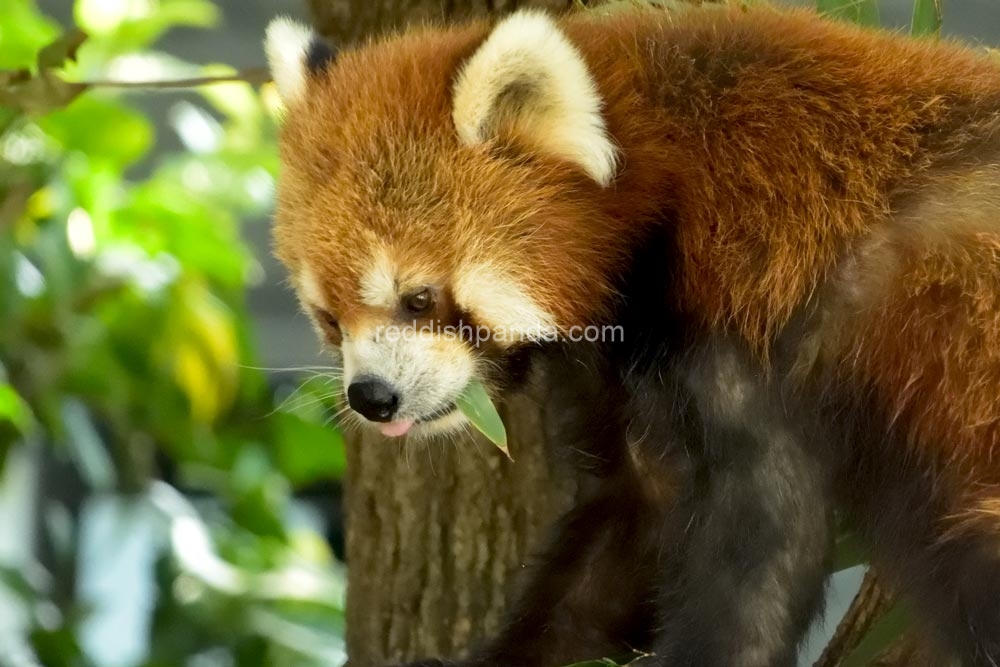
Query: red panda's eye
point(419, 302)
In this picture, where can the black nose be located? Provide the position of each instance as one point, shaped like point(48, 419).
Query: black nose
point(373, 398)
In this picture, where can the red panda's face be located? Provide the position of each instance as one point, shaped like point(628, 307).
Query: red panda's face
point(432, 192)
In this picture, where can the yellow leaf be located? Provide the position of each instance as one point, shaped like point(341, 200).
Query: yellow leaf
point(206, 351)
point(195, 379)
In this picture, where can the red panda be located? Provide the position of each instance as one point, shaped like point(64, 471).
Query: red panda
point(795, 225)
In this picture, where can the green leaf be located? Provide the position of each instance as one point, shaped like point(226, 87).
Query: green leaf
point(101, 129)
point(27, 582)
point(926, 18)
point(15, 420)
point(476, 405)
point(127, 21)
point(307, 452)
point(848, 551)
point(23, 31)
point(13, 409)
point(882, 634)
point(863, 12)
point(195, 13)
point(126, 27)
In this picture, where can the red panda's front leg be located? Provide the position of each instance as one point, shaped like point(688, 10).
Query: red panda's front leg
point(752, 557)
point(706, 543)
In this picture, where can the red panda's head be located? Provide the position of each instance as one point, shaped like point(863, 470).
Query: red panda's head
point(439, 205)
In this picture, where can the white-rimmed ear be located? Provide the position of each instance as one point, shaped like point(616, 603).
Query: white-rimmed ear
point(293, 52)
point(528, 77)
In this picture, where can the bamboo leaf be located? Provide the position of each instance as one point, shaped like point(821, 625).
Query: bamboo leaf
point(863, 12)
point(476, 405)
point(926, 18)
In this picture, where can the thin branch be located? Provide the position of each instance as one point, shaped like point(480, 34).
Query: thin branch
point(254, 76)
point(869, 604)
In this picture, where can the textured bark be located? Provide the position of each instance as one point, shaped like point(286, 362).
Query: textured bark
point(435, 532)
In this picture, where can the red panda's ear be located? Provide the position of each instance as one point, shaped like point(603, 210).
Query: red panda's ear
point(293, 53)
point(528, 77)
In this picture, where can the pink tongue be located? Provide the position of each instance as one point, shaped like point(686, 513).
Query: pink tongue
point(395, 429)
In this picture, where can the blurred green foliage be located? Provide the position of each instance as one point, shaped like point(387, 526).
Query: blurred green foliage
point(864, 12)
point(925, 22)
point(125, 341)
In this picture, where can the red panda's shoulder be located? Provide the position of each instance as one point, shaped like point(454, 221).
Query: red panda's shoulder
point(775, 139)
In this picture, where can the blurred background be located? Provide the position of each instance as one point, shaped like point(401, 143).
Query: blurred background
point(169, 489)
point(170, 486)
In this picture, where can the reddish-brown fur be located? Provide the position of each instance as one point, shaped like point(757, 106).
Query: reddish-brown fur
point(757, 233)
point(843, 182)
point(398, 104)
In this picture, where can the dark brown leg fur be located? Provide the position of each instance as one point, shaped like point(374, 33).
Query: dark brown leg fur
point(948, 578)
point(706, 540)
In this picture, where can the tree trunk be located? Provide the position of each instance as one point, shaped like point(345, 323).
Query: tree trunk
point(436, 531)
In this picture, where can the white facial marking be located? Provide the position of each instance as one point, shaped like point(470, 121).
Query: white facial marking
point(379, 285)
point(349, 362)
point(426, 370)
point(498, 302)
point(529, 74)
point(285, 44)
